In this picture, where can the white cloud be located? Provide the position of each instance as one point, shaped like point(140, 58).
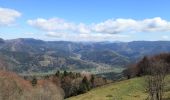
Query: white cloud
point(51, 24)
point(165, 37)
point(154, 25)
point(130, 25)
point(8, 16)
point(29, 33)
point(56, 34)
point(86, 37)
point(108, 30)
point(57, 24)
point(115, 26)
point(110, 26)
point(82, 28)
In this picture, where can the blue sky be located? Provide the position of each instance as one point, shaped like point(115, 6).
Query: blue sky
point(85, 20)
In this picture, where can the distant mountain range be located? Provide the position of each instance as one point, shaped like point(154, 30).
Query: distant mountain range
point(27, 54)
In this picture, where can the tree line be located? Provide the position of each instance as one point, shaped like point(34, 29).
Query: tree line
point(74, 83)
point(154, 69)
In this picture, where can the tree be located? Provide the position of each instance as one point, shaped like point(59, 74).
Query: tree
point(155, 79)
point(66, 85)
point(84, 85)
point(78, 75)
point(92, 81)
point(127, 72)
point(10, 90)
point(65, 73)
point(46, 91)
point(143, 66)
point(34, 81)
point(131, 71)
point(57, 73)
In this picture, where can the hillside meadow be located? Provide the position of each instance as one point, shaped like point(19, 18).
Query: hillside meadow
point(133, 89)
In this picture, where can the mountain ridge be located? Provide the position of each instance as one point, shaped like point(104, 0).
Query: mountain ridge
point(28, 54)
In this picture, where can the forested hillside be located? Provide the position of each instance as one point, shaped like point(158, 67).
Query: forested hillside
point(30, 55)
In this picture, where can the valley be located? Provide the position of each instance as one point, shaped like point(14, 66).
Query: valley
point(82, 69)
point(30, 55)
point(84, 50)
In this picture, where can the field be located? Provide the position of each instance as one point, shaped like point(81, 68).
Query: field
point(132, 89)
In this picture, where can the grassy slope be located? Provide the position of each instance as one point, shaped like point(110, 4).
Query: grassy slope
point(132, 89)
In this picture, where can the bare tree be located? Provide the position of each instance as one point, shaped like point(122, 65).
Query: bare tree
point(9, 89)
point(155, 79)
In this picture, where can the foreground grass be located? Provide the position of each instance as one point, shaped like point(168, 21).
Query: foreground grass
point(132, 89)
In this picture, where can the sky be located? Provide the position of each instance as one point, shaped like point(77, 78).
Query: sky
point(85, 20)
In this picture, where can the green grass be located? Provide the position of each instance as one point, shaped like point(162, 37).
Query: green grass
point(132, 89)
